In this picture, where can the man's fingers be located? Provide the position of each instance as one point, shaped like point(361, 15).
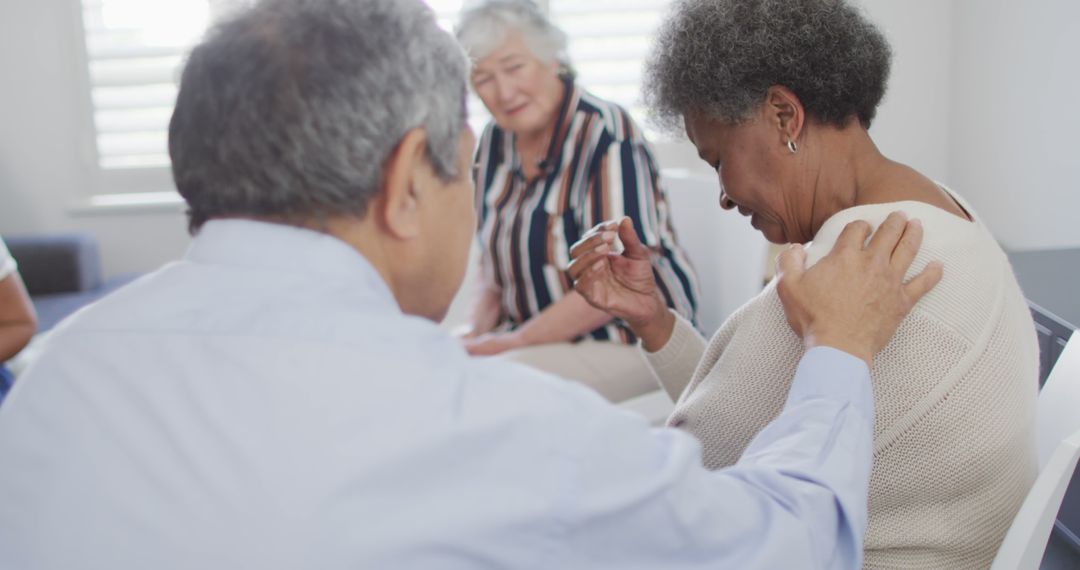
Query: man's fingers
point(887, 235)
point(853, 236)
point(908, 246)
point(922, 283)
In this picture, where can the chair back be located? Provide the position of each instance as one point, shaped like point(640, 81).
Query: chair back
point(1058, 440)
point(1058, 414)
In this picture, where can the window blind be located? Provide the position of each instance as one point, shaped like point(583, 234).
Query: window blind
point(609, 41)
point(135, 49)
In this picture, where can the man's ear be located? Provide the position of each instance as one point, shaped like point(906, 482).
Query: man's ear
point(398, 204)
point(785, 111)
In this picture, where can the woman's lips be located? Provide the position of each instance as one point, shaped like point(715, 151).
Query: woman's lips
point(515, 110)
point(745, 211)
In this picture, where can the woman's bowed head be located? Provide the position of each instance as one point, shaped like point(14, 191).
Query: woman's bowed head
point(781, 109)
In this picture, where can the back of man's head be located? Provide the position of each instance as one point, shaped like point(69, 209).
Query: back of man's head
point(288, 110)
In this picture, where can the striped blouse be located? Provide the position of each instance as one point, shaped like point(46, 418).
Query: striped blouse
point(598, 167)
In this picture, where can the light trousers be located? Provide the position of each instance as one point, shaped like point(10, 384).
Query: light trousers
point(617, 371)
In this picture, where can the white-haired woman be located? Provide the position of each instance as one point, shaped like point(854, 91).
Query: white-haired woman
point(554, 161)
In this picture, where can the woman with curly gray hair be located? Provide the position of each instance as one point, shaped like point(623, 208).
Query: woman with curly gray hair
point(778, 97)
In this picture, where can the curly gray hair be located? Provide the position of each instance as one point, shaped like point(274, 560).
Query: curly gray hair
point(288, 110)
point(719, 57)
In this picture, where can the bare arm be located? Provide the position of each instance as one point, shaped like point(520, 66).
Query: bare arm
point(561, 321)
point(18, 322)
point(486, 311)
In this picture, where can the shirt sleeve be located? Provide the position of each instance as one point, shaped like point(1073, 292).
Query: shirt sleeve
point(796, 499)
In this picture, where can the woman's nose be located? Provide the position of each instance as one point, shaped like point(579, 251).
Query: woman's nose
point(504, 91)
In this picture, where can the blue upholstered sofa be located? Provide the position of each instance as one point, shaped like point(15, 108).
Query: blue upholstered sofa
point(62, 273)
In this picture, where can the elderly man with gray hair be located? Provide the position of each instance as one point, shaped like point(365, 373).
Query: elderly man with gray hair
point(282, 397)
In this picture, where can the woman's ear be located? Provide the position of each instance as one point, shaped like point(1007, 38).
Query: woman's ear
point(398, 203)
point(785, 111)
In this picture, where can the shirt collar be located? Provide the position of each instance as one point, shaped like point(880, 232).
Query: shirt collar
point(285, 249)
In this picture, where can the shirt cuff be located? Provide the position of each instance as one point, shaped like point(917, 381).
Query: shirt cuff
point(833, 374)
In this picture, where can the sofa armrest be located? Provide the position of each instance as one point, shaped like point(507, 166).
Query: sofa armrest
point(57, 263)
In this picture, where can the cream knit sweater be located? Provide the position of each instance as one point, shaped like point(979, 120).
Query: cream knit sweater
point(954, 393)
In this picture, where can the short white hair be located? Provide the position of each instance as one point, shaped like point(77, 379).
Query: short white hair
point(485, 24)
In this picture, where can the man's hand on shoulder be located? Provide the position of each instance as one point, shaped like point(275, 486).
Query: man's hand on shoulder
point(855, 297)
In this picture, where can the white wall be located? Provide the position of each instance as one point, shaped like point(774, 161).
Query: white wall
point(912, 124)
point(979, 99)
point(45, 169)
point(1016, 120)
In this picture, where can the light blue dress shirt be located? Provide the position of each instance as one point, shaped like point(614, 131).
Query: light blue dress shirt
point(264, 403)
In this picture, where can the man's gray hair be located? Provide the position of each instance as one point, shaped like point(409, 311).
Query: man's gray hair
point(290, 109)
point(484, 25)
point(719, 57)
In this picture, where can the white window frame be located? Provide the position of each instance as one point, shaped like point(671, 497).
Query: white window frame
point(153, 187)
point(118, 188)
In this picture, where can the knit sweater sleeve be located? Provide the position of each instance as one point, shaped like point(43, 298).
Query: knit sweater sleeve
point(674, 364)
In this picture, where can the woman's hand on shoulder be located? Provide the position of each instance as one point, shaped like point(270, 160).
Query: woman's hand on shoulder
point(618, 280)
